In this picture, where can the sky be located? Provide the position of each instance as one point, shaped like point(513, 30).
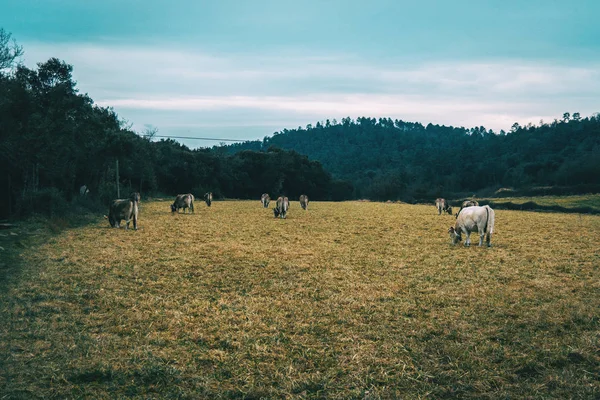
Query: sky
point(244, 69)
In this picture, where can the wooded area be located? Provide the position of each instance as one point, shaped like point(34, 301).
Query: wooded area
point(389, 159)
point(55, 139)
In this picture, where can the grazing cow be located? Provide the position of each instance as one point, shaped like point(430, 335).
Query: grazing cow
point(265, 200)
point(304, 201)
point(465, 204)
point(183, 201)
point(281, 209)
point(124, 209)
point(469, 203)
point(471, 219)
point(208, 198)
point(83, 190)
point(442, 206)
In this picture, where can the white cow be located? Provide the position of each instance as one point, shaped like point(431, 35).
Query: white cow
point(185, 201)
point(471, 219)
point(442, 206)
point(208, 198)
point(304, 201)
point(265, 200)
point(281, 209)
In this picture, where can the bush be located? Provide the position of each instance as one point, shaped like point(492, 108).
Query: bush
point(47, 201)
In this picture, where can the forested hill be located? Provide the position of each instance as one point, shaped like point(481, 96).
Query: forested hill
point(54, 140)
point(392, 159)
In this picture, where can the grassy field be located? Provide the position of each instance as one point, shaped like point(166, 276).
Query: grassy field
point(346, 300)
point(591, 201)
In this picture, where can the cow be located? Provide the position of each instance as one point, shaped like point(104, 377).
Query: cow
point(442, 206)
point(304, 201)
point(265, 200)
point(471, 219)
point(83, 190)
point(469, 203)
point(124, 209)
point(208, 198)
point(465, 204)
point(183, 201)
point(281, 209)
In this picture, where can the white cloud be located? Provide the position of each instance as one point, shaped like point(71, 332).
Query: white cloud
point(166, 87)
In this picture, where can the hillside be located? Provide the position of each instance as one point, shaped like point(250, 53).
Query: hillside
point(393, 159)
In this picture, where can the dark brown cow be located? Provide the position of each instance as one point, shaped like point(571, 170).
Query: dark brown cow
point(184, 201)
point(304, 201)
point(281, 209)
point(124, 209)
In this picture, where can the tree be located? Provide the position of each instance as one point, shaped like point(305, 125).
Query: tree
point(10, 51)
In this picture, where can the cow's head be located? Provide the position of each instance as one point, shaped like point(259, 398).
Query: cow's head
point(173, 208)
point(454, 235)
point(276, 212)
point(449, 210)
point(134, 196)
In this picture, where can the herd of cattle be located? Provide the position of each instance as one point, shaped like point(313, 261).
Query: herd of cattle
point(470, 218)
point(127, 209)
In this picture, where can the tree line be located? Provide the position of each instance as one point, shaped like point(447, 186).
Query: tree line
point(387, 159)
point(54, 139)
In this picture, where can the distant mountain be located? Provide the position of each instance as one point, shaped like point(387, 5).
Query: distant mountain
point(392, 159)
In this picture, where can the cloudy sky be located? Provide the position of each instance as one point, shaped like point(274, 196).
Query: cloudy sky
point(243, 69)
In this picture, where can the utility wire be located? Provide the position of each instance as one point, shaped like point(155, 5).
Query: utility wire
point(197, 138)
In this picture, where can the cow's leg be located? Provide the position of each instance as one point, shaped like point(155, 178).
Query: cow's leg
point(468, 241)
point(488, 240)
point(135, 222)
point(127, 224)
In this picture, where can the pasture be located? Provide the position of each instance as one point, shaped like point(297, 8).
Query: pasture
point(346, 300)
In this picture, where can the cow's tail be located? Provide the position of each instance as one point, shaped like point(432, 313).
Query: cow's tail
point(489, 223)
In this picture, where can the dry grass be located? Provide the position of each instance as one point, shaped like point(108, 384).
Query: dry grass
point(346, 300)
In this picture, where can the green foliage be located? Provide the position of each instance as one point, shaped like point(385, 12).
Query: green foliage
point(54, 140)
point(392, 159)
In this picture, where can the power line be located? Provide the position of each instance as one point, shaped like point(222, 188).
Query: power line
point(196, 138)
